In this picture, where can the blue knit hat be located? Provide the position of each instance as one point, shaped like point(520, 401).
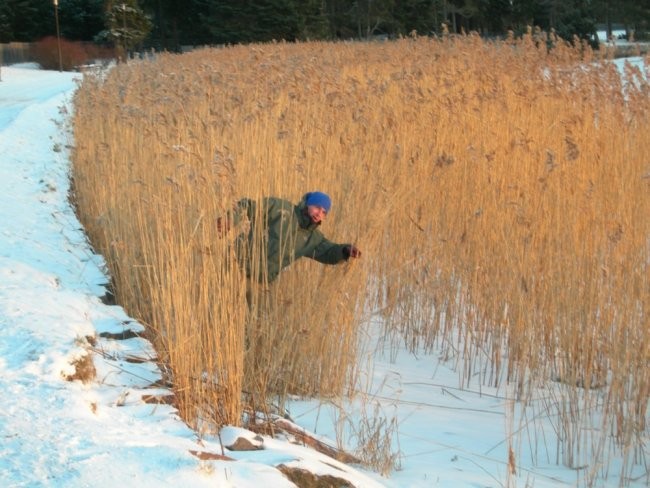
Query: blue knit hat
point(319, 199)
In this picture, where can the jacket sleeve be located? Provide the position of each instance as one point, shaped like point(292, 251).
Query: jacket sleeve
point(244, 208)
point(328, 252)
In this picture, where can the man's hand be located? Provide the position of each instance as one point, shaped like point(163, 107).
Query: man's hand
point(351, 251)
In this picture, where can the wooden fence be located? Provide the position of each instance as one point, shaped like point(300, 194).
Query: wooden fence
point(14, 52)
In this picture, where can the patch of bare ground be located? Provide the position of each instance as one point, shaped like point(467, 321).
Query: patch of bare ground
point(306, 479)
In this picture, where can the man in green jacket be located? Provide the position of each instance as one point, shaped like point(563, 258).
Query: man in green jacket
point(286, 232)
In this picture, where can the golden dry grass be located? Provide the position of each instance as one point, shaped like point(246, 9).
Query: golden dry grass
point(499, 192)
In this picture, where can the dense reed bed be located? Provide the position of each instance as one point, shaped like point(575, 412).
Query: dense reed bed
point(499, 191)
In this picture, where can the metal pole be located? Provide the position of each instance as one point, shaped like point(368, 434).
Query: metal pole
point(124, 32)
point(58, 35)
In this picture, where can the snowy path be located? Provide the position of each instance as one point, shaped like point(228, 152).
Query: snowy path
point(54, 432)
point(31, 90)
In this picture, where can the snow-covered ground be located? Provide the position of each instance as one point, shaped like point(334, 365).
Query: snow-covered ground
point(617, 34)
point(55, 432)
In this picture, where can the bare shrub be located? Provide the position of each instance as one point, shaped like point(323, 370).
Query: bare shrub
point(84, 369)
point(376, 436)
point(74, 54)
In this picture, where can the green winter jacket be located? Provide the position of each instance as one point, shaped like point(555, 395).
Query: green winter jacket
point(286, 234)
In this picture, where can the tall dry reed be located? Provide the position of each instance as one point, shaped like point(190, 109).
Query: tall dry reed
point(498, 189)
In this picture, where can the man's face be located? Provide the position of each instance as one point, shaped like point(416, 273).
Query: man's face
point(316, 214)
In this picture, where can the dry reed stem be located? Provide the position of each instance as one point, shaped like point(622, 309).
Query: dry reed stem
point(500, 191)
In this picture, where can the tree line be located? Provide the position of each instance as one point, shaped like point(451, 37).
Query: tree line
point(170, 24)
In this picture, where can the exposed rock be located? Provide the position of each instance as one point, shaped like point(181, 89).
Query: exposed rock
point(304, 438)
point(169, 399)
point(121, 336)
point(243, 444)
point(306, 479)
point(210, 456)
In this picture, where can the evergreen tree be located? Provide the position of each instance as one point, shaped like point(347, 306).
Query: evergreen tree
point(275, 19)
point(635, 15)
point(197, 22)
point(340, 18)
point(28, 20)
point(571, 18)
point(568, 18)
point(81, 19)
point(527, 13)
point(224, 21)
point(31, 20)
point(312, 23)
point(230, 21)
point(177, 23)
point(6, 27)
point(126, 24)
point(373, 17)
point(496, 16)
point(632, 14)
point(414, 15)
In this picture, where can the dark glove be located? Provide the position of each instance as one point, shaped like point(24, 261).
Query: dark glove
point(351, 251)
